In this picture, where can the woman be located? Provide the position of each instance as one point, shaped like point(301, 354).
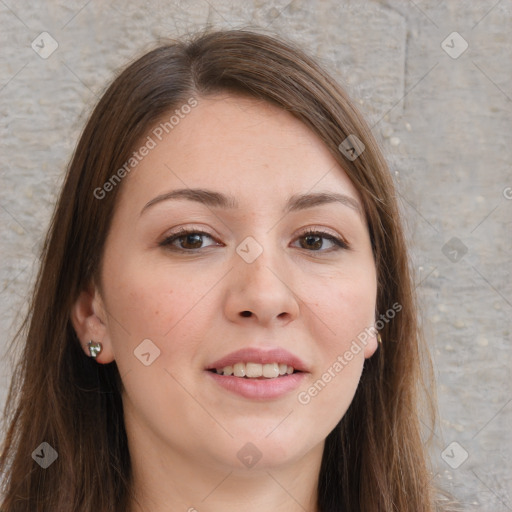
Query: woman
point(224, 313)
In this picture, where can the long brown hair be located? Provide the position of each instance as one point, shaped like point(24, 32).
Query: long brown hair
point(374, 459)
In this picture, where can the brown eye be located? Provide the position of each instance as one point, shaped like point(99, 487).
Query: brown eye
point(188, 240)
point(192, 241)
point(313, 240)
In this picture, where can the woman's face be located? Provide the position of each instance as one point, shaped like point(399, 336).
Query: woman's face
point(246, 277)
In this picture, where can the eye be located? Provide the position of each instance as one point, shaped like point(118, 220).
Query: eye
point(313, 240)
point(188, 240)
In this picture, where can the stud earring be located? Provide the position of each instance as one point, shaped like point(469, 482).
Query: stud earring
point(379, 338)
point(94, 348)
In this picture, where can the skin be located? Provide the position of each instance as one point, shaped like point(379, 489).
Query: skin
point(311, 298)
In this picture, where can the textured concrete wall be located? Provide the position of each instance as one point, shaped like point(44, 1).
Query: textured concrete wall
point(441, 110)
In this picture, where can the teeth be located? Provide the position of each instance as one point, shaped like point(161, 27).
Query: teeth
point(271, 371)
point(239, 369)
point(255, 370)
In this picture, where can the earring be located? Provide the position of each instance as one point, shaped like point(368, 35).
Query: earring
point(94, 348)
point(379, 338)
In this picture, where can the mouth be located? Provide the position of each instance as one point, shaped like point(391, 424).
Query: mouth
point(258, 374)
point(257, 371)
point(258, 388)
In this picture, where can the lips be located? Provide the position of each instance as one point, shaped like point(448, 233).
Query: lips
point(258, 355)
point(256, 389)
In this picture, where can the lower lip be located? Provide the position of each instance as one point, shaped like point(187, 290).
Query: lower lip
point(259, 389)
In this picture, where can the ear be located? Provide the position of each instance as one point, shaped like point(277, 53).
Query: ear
point(371, 346)
point(90, 321)
point(371, 343)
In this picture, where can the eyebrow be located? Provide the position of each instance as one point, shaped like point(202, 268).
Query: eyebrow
point(218, 200)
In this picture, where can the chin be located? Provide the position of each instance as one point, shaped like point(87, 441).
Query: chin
point(251, 452)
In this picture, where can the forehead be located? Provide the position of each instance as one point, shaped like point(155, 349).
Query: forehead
point(243, 146)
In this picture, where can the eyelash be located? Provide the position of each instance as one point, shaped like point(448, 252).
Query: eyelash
point(339, 243)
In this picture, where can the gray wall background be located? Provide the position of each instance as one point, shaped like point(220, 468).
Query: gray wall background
point(441, 112)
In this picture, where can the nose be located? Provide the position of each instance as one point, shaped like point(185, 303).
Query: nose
point(261, 291)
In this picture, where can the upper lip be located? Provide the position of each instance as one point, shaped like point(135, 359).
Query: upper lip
point(258, 355)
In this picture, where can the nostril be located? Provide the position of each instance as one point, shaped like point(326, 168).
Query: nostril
point(246, 313)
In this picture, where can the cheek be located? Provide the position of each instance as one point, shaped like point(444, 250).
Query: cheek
point(154, 337)
point(150, 300)
point(327, 396)
point(342, 308)
point(157, 304)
